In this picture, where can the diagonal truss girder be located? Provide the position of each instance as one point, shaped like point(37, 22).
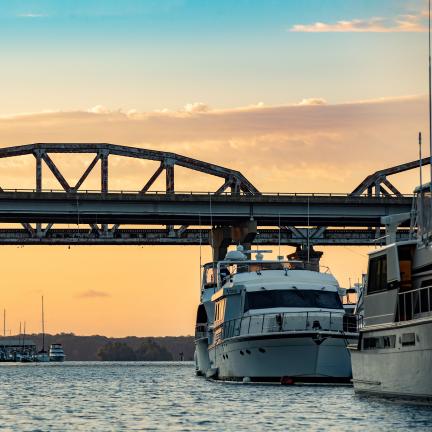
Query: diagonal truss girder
point(41, 151)
point(234, 178)
point(374, 182)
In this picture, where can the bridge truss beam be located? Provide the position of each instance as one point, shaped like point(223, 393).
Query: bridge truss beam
point(191, 237)
point(101, 216)
point(378, 184)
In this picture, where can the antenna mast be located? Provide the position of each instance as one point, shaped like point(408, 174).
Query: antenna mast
point(420, 202)
point(430, 94)
point(420, 157)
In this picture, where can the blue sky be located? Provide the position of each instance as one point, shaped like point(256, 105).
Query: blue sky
point(156, 54)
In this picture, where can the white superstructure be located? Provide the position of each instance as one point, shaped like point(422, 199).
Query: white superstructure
point(271, 320)
point(56, 353)
point(394, 353)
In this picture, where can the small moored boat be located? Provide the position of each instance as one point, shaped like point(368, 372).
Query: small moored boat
point(56, 353)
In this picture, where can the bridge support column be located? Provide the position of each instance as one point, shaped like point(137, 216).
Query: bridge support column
point(220, 239)
point(169, 168)
point(104, 172)
point(38, 185)
point(311, 258)
point(38, 172)
point(245, 234)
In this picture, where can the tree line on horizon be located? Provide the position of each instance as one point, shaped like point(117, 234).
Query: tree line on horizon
point(148, 350)
point(87, 348)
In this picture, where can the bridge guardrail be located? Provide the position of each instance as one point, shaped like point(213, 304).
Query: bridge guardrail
point(179, 192)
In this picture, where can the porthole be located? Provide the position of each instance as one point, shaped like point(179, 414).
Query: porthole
point(248, 351)
point(261, 350)
point(226, 356)
point(241, 352)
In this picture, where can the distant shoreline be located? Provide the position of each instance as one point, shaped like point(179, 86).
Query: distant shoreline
point(133, 348)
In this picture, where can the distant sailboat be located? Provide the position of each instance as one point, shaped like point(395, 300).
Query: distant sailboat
point(42, 355)
point(25, 354)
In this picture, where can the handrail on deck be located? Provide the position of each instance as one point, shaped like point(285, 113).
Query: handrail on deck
point(414, 302)
point(289, 321)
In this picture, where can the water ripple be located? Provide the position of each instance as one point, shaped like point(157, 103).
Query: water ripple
point(83, 396)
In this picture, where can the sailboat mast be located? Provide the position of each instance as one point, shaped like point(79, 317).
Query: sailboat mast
point(43, 326)
point(23, 338)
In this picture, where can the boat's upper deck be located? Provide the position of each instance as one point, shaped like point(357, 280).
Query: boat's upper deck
point(272, 274)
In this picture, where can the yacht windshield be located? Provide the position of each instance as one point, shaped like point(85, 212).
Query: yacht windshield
point(292, 298)
point(424, 207)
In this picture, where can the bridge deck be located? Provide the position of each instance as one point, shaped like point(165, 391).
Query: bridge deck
point(198, 209)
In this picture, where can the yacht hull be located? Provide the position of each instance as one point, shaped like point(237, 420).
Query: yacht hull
point(202, 360)
point(57, 358)
point(404, 370)
point(298, 356)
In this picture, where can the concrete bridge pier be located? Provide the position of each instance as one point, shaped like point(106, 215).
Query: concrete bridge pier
point(222, 237)
point(310, 257)
point(244, 234)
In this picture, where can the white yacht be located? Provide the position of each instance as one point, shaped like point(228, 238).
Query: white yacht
point(272, 320)
point(394, 352)
point(56, 353)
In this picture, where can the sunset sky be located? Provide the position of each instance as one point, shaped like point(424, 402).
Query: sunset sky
point(299, 95)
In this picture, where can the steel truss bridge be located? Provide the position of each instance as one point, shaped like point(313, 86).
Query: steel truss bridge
point(236, 212)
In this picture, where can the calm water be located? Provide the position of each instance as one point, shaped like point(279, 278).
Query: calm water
point(167, 396)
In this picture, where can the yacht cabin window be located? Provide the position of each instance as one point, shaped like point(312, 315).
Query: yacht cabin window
point(424, 202)
point(380, 342)
point(292, 298)
point(377, 274)
point(209, 276)
point(220, 310)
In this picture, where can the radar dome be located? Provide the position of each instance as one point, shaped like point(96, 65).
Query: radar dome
point(236, 255)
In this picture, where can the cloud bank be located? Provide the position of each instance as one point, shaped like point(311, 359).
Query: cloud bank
point(304, 147)
point(412, 23)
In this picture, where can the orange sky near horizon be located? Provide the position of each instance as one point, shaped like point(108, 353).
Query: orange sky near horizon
point(125, 290)
point(119, 290)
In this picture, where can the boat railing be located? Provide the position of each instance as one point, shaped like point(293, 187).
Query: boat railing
point(291, 321)
point(413, 303)
point(200, 331)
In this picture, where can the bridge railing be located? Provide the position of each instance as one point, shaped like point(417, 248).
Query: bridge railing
point(184, 192)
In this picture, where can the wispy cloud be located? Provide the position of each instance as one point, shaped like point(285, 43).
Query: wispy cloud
point(32, 15)
point(92, 294)
point(413, 23)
